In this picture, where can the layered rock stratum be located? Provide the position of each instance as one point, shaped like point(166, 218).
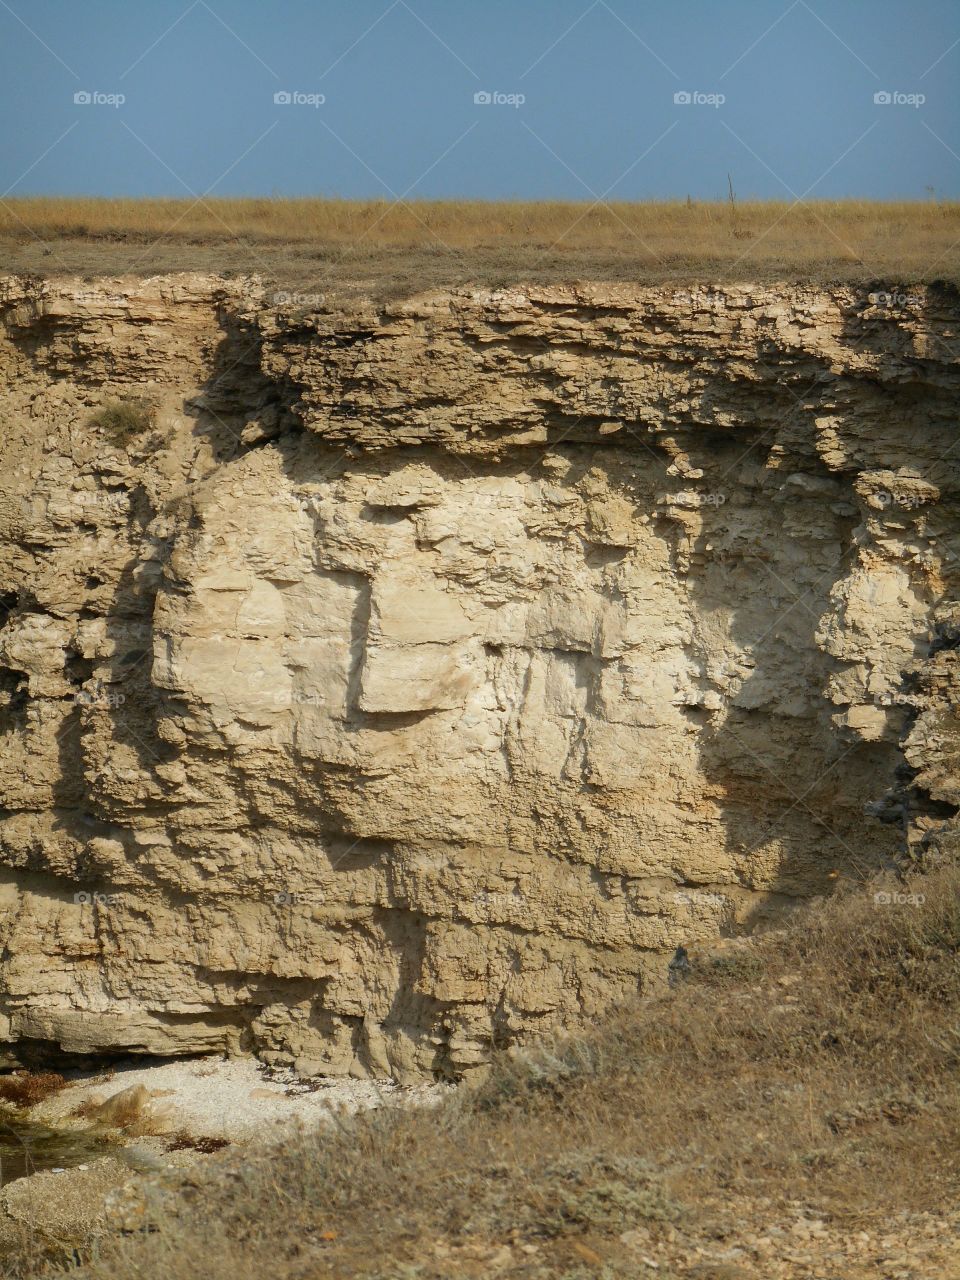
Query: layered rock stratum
point(424, 674)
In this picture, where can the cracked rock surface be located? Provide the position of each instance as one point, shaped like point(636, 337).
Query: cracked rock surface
point(422, 676)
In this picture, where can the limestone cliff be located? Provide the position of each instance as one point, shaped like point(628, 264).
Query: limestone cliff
point(422, 675)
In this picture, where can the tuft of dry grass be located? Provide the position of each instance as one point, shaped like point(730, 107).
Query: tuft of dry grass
point(121, 421)
point(27, 1088)
point(313, 245)
point(820, 1068)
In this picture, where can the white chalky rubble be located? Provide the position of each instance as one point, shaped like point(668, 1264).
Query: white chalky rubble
point(426, 674)
point(225, 1098)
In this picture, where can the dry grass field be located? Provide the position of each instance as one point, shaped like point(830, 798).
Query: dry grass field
point(388, 247)
point(792, 1098)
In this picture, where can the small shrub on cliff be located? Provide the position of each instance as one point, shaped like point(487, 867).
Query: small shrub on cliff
point(122, 420)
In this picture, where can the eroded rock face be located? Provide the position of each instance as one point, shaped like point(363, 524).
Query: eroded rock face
point(423, 677)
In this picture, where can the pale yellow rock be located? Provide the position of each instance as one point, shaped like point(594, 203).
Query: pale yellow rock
point(425, 675)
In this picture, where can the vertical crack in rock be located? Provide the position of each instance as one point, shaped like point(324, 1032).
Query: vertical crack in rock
point(418, 678)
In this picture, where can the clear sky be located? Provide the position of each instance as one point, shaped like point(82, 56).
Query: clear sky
point(586, 108)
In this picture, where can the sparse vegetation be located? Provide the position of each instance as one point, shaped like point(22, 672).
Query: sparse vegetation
point(121, 421)
point(27, 1088)
point(184, 1141)
point(822, 1071)
point(330, 246)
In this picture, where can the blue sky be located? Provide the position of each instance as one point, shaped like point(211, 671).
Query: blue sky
point(587, 98)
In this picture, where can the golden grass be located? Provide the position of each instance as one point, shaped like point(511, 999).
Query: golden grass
point(694, 227)
point(819, 1068)
point(449, 241)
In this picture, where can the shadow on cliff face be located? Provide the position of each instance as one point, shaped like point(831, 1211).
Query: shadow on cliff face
point(118, 691)
point(809, 754)
point(909, 486)
point(240, 407)
point(122, 691)
point(793, 784)
point(237, 409)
